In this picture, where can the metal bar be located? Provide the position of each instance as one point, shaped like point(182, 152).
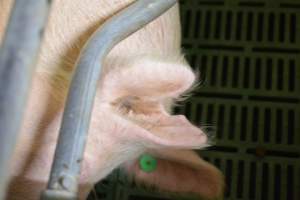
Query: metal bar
point(73, 133)
point(17, 58)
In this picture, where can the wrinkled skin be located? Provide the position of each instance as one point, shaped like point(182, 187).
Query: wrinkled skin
point(141, 78)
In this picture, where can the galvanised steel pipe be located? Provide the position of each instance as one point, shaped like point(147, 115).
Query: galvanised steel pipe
point(63, 183)
point(17, 58)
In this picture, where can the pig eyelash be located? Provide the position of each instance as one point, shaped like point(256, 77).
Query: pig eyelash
point(134, 105)
point(124, 106)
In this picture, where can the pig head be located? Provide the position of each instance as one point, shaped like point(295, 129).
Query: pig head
point(141, 93)
point(141, 79)
point(129, 118)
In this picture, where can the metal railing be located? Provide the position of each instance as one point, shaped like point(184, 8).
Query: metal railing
point(14, 65)
point(17, 57)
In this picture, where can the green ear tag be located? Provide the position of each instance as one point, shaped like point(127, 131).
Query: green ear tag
point(148, 163)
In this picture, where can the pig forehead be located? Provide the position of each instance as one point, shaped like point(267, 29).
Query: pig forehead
point(72, 22)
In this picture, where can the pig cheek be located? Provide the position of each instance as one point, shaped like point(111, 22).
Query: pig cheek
point(107, 147)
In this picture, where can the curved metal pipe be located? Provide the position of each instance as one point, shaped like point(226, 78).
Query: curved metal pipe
point(17, 58)
point(73, 133)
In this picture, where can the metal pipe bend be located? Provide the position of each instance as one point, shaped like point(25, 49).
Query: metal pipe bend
point(72, 138)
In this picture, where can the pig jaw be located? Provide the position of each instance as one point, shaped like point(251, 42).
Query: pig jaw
point(182, 172)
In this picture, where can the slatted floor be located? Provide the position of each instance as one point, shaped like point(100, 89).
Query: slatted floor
point(248, 53)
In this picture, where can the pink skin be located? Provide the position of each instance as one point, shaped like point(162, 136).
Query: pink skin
point(141, 78)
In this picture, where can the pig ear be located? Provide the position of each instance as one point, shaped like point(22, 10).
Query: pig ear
point(169, 131)
point(182, 172)
point(148, 77)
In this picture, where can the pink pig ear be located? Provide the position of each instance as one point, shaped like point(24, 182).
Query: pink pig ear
point(148, 77)
point(180, 171)
point(169, 131)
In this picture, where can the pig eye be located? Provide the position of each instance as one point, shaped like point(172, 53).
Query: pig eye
point(137, 106)
point(125, 104)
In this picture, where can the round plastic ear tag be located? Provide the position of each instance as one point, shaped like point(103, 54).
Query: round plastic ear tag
point(148, 163)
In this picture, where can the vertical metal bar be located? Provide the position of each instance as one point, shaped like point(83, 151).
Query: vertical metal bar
point(17, 57)
point(70, 148)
